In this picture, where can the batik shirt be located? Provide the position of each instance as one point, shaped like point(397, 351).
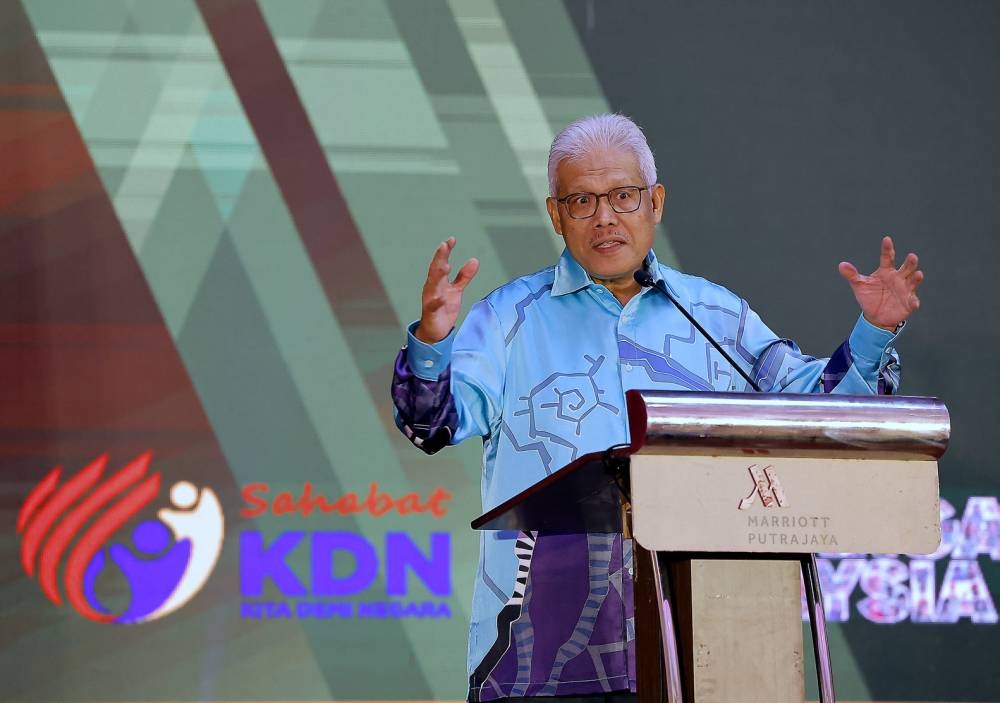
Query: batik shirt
point(539, 371)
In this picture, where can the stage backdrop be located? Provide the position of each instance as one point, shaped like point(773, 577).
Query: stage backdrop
point(215, 218)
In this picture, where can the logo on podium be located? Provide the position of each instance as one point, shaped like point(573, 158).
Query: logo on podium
point(766, 486)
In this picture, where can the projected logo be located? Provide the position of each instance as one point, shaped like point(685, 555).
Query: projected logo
point(324, 574)
point(945, 587)
point(83, 522)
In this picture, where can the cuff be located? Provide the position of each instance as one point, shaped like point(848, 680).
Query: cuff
point(871, 343)
point(428, 361)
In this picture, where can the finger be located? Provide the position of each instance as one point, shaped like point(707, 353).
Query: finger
point(888, 256)
point(909, 264)
point(449, 246)
point(439, 266)
point(914, 302)
point(466, 273)
point(848, 271)
point(916, 279)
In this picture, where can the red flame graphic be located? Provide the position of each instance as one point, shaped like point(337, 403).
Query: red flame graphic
point(45, 505)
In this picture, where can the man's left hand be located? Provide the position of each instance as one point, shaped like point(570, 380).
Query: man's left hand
point(889, 295)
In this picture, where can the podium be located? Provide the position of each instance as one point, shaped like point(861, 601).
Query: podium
point(728, 497)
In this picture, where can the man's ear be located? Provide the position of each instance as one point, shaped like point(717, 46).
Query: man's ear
point(553, 207)
point(658, 196)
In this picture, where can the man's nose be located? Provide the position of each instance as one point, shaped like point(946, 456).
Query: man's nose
point(605, 214)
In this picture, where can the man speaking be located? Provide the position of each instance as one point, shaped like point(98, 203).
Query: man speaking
point(539, 371)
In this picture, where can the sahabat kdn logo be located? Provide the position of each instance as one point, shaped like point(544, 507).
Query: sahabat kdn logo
point(165, 561)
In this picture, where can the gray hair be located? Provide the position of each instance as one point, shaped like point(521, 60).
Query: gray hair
point(607, 131)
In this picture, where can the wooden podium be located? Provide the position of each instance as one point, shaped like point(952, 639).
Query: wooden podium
point(734, 494)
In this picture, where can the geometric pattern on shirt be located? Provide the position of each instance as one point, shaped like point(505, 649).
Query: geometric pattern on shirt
point(888, 377)
point(660, 366)
point(663, 367)
point(507, 670)
point(492, 585)
point(595, 651)
point(782, 358)
point(745, 353)
point(522, 629)
point(600, 547)
point(561, 399)
point(520, 307)
point(512, 624)
point(837, 367)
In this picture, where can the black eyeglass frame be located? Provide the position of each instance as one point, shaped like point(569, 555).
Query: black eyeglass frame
point(597, 201)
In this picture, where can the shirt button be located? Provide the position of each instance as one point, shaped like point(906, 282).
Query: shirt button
point(428, 363)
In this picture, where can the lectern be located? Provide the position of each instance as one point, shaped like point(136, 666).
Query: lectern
point(733, 494)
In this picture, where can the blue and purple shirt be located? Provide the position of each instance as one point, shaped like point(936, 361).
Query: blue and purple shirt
point(539, 371)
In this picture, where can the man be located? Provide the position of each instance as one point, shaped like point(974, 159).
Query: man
point(539, 371)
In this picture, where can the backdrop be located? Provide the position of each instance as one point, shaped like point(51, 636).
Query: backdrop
point(215, 218)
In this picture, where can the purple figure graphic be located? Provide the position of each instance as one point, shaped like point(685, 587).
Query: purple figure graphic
point(151, 580)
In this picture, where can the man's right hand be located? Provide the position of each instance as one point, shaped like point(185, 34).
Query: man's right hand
point(441, 300)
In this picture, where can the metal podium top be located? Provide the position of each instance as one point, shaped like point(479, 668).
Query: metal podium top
point(583, 497)
point(719, 423)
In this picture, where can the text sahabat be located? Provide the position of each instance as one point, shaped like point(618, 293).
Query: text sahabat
point(377, 502)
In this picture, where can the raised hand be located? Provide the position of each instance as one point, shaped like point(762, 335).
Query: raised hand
point(441, 300)
point(889, 295)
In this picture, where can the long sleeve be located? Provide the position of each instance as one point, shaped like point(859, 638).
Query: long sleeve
point(448, 391)
point(865, 363)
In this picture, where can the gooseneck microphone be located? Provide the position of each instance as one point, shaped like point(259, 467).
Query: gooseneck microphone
point(645, 279)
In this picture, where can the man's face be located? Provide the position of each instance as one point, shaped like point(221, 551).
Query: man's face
point(610, 246)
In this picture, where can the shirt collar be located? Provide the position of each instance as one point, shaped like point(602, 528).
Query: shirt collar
point(570, 275)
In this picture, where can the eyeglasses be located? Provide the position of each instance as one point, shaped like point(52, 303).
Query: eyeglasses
point(622, 200)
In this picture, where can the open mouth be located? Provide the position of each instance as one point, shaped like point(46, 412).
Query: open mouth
point(609, 245)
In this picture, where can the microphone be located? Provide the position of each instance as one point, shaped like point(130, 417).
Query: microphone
point(645, 279)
